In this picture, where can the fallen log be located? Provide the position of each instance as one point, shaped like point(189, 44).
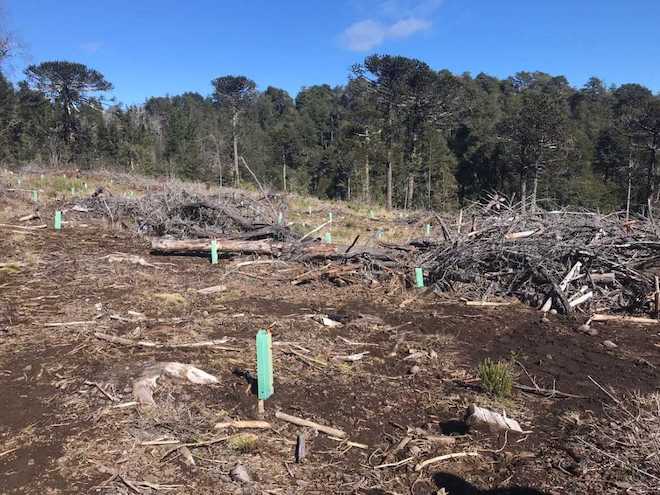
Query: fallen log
point(625, 319)
point(603, 278)
point(307, 250)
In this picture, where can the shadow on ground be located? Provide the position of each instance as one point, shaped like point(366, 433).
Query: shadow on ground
point(455, 485)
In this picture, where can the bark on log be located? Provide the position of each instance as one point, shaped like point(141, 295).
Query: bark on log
point(308, 250)
point(603, 278)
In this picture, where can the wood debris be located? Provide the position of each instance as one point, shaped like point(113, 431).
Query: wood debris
point(145, 385)
point(480, 417)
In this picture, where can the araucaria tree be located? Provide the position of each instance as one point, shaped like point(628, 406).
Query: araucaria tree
point(536, 135)
point(236, 93)
point(70, 87)
point(399, 132)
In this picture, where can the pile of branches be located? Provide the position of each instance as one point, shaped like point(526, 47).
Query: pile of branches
point(550, 259)
point(180, 214)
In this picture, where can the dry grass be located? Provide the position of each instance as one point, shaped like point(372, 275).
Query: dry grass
point(171, 299)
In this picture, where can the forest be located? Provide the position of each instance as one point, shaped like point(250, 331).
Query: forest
point(397, 133)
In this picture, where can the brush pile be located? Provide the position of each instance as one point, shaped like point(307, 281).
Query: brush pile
point(549, 259)
point(177, 213)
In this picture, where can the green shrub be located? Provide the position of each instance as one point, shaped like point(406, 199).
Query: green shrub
point(243, 442)
point(496, 377)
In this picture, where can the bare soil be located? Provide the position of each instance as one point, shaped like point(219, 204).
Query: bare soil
point(60, 435)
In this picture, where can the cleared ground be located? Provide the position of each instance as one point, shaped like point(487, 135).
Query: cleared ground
point(59, 433)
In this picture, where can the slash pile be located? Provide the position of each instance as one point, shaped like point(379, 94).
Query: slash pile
point(568, 258)
point(178, 213)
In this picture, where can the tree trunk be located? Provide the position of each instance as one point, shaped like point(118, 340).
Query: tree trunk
point(630, 168)
point(411, 190)
point(283, 172)
point(389, 180)
point(365, 187)
point(389, 159)
point(535, 187)
point(523, 190)
point(237, 173)
point(652, 169)
point(428, 185)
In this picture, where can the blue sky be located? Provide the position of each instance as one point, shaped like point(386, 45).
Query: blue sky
point(157, 47)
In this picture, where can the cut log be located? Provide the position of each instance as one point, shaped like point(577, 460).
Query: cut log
point(307, 250)
point(581, 299)
point(169, 246)
point(625, 319)
point(557, 288)
point(563, 285)
point(603, 278)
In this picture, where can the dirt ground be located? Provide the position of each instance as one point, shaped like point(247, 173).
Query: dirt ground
point(61, 430)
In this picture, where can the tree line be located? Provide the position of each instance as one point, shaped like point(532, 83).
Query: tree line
point(397, 133)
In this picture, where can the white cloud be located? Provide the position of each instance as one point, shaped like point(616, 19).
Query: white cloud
point(408, 27)
point(390, 19)
point(365, 35)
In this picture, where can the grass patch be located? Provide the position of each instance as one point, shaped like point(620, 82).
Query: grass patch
point(173, 299)
point(11, 267)
point(496, 377)
point(243, 442)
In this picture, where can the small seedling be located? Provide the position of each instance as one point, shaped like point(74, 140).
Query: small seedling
point(58, 220)
point(327, 238)
point(371, 214)
point(214, 252)
point(264, 369)
point(35, 196)
point(419, 278)
point(496, 377)
point(280, 218)
point(243, 442)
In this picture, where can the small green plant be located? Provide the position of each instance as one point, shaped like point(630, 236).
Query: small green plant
point(496, 377)
point(243, 442)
